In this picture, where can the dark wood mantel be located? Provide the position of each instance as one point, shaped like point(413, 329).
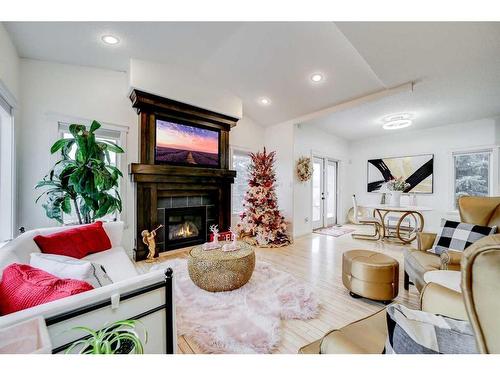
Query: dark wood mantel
point(154, 181)
point(171, 173)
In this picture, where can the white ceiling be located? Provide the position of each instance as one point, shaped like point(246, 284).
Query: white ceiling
point(456, 65)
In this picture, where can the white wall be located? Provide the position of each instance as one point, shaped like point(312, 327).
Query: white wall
point(440, 141)
point(9, 65)
point(280, 138)
point(175, 83)
point(309, 141)
point(247, 135)
point(52, 92)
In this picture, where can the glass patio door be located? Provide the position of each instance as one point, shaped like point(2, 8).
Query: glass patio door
point(324, 192)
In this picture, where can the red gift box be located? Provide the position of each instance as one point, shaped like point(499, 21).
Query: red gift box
point(223, 236)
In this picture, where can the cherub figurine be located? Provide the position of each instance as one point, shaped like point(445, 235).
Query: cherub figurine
point(148, 238)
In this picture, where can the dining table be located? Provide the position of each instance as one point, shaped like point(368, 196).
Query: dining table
point(405, 234)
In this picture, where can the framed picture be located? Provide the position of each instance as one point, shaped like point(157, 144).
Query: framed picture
point(415, 170)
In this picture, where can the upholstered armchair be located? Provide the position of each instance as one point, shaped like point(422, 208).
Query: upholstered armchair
point(479, 303)
point(473, 210)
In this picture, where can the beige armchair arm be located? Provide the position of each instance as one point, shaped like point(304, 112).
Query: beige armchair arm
point(425, 240)
point(450, 260)
point(438, 299)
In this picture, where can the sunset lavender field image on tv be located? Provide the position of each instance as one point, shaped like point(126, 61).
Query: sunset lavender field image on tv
point(184, 144)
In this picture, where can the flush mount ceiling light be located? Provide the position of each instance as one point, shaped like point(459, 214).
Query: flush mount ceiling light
point(317, 77)
point(110, 39)
point(397, 121)
point(264, 101)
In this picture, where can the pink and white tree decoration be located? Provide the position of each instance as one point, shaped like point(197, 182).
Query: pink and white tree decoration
point(261, 222)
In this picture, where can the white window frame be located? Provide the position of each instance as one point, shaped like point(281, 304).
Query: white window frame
point(8, 103)
point(62, 125)
point(494, 170)
point(238, 150)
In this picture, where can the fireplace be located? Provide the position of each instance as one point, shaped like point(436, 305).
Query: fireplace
point(186, 199)
point(183, 227)
point(185, 218)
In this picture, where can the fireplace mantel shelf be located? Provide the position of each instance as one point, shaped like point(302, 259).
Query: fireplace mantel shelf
point(136, 169)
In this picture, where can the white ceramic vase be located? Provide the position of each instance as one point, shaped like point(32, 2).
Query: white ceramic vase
point(395, 199)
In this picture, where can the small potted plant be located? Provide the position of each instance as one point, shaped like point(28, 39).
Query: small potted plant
point(120, 337)
point(396, 187)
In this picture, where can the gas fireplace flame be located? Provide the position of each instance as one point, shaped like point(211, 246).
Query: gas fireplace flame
point(185, 230)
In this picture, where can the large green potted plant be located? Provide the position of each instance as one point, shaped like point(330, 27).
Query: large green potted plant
point(86, 182)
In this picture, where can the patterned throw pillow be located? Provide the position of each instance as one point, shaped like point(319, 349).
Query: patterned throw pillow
point(458, 236)
point(420, 332)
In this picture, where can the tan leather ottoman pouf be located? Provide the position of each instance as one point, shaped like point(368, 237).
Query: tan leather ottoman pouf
point(371, 275)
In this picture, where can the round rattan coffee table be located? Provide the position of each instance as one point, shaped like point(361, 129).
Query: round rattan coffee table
point(219, 271)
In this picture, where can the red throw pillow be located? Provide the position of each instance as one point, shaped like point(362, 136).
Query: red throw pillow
point(23, 286)
point(75, 242)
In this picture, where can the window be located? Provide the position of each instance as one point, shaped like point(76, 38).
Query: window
point(241, 162)
point(7, 196)
point(472, 174)
point(113, 136)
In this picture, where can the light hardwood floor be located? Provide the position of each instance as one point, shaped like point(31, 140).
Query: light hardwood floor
point(317, 259)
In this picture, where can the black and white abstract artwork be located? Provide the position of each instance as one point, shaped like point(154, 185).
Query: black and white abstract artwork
point(415, 170)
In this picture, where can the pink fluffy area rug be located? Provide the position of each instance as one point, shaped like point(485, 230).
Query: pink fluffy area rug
point(246, 320)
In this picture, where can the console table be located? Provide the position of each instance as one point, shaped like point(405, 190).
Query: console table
point(381, 211)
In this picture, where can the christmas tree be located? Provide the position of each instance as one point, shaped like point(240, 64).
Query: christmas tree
point(261, 221)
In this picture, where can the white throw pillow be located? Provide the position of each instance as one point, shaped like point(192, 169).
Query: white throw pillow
point(62, 266)
point(71, 268)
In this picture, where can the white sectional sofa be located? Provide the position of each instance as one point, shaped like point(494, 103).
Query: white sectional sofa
point(147, 297)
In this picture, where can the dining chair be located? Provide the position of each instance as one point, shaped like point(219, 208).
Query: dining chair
point(366, 220)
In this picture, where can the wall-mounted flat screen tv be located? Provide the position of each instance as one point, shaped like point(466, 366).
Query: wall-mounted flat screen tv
point(182, 144)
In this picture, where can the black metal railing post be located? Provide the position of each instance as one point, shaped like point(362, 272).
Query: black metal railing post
point(169, 310)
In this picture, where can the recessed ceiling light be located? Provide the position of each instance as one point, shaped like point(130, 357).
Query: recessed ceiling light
point(397, 121)
point(317, 77)
point(264, 101)
point(110, 39)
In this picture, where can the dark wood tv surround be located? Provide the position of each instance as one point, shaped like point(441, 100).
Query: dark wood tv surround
point(156, 181)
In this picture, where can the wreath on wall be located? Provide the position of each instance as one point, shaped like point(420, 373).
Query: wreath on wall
point(304, 169)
